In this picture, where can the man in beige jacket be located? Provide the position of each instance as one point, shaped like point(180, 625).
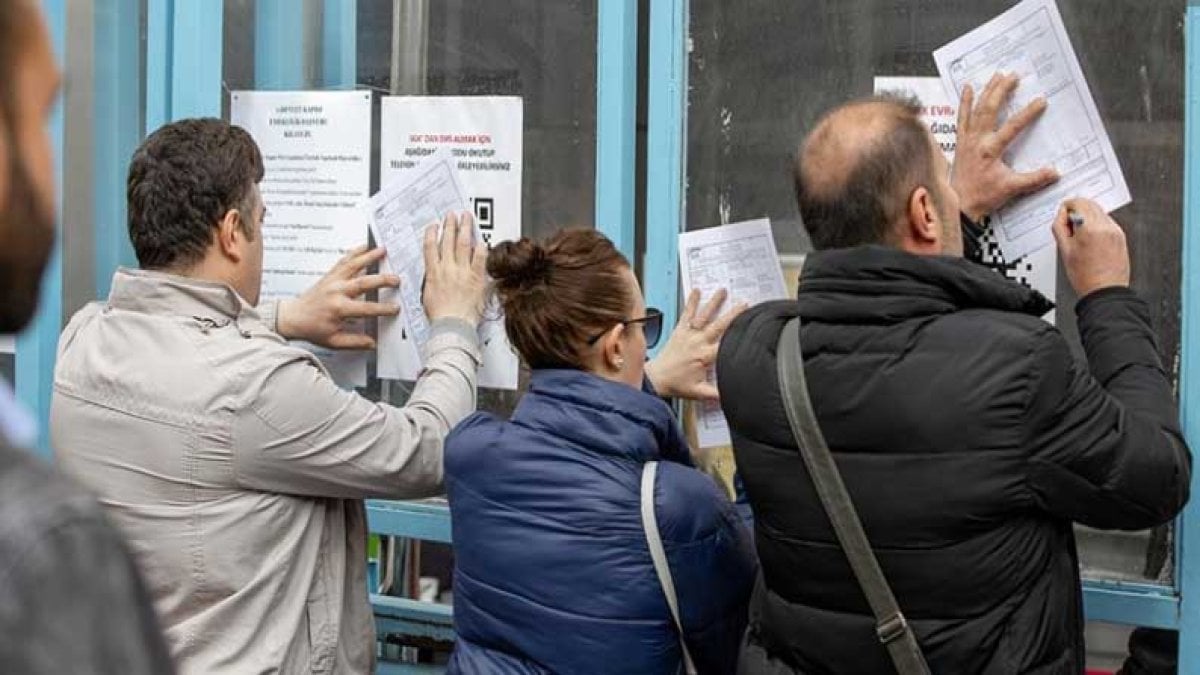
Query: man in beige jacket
point(229, 458)
point(231, 461)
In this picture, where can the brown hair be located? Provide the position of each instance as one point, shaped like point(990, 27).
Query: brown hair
point(857, 204)
point(559, 293)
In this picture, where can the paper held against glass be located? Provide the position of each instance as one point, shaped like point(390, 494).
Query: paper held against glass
point(484, 138)
point(741, 258)
point(399, 213)
point(1030, 41)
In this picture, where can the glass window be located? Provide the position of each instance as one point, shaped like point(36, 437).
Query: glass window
point(543, 52)
point(759, 79)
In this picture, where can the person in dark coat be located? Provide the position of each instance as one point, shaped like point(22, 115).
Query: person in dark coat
point(553, 573)
point(968, 435)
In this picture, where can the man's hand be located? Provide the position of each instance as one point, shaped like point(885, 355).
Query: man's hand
point(1094, 254)
point(320, 315)
point(455, 271)
point(681, 368)
point(982, 180)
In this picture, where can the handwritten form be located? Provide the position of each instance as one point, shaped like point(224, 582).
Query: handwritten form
point(1030, 41)
point(400, 212)
point(742, 259)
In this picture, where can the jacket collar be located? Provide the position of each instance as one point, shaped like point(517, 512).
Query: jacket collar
point(878, 284)
point(154, 292)
point(604, 416)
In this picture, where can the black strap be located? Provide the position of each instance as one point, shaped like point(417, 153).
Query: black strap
point(891, 627)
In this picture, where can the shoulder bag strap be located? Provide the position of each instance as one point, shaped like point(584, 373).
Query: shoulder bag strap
point(890, 626)
point(659, 555)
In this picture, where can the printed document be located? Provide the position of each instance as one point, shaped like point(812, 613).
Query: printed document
point(316, 148)
point(741, 258)
point(1030, 41)
point(400, 213)
point(485, 139)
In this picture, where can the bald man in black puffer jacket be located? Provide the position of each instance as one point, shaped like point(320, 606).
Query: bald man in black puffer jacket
point(969, 437)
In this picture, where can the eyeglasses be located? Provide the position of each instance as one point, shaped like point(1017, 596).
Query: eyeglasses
point(651, 326)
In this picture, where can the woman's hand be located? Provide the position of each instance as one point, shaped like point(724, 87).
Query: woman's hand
point(681, 369)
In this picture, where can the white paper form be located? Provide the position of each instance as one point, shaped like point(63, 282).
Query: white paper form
point(485, 137)
point(400, 213)
point(741, 258)
point(1030, 41)
point(316, 149)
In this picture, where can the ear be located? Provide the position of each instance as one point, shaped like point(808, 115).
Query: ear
point(613, 351)
point(230, 236)
point(923, 227)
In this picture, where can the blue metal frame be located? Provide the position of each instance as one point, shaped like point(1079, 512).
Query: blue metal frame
point(414, 520)
point(38, 343)
point(117, 126)
point(616, 122)
point(1188, 572)
point(278, 45)
point(666, 145)
point(339, 57)
point(183, 69)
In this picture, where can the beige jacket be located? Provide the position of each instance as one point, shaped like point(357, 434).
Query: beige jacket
point(237, 468)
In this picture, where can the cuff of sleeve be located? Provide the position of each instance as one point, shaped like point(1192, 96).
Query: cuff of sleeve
point(1100, 296)
point(453, 332)
point(268, 312)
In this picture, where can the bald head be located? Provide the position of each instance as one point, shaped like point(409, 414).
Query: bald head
point(856, 169)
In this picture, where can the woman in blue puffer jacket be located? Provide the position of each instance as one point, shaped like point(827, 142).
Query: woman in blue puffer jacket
point(553, 572)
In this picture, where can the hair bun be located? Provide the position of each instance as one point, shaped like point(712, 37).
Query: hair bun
point(519, 265)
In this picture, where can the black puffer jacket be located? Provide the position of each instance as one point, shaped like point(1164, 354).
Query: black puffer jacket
point(970, 440)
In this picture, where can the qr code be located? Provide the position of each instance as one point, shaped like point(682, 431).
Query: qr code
point(485, 209)
point(1020, 271)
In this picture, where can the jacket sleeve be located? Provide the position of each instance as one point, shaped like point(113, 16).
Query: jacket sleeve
point(1106, 447)
point(74, 603)
point(711, 556)
point(306, 436)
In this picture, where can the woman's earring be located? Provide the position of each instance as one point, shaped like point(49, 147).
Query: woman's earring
point(620, 362)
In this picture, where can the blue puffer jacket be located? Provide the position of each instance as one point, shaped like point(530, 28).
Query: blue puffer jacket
point(552, 570)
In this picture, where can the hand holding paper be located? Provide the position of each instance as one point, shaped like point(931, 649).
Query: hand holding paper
point(327, 314)
point(983, 180)
point(455, 278)
point(681, 369)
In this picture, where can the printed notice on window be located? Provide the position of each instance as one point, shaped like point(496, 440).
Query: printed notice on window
point(316, 148)
point(1030, 41)
point(483, 139)
point(740, 258)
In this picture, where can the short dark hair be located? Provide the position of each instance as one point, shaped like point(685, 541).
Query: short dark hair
point(861, 208)
point(182, 180)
